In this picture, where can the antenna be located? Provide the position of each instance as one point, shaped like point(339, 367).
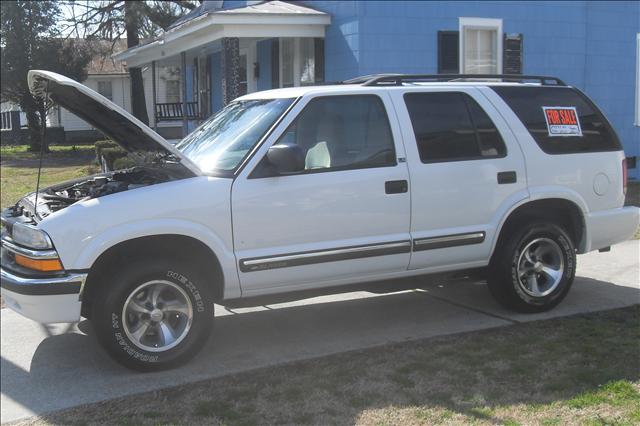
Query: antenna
point(42, 143)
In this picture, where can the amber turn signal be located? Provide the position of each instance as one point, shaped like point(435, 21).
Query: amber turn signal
point(44, 265)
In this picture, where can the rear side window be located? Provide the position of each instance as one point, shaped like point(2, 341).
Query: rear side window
point(451, 126)
point(536, 108)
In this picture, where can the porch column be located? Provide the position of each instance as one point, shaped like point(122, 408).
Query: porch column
point(185, 124)
point(153, 88)
point(230, 69)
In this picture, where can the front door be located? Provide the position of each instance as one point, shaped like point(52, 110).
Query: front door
point(344, 218)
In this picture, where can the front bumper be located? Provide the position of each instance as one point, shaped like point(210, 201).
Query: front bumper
point(45, 300)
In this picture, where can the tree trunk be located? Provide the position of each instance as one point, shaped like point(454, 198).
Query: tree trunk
point(35, 131)
point(36, 116)
point(132, 18)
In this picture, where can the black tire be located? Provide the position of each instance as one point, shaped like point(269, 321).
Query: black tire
point(504, 279)
point(178, 277)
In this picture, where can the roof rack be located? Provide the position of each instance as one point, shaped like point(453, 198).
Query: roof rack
point(399, 79)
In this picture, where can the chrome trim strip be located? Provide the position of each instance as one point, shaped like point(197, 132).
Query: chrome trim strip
point(321, 256)
point(30, 253)
point(444, 241)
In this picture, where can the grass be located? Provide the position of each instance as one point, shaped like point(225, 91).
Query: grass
point(574, 370)
point(19, 168)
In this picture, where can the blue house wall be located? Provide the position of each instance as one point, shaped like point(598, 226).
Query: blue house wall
point(590, 45)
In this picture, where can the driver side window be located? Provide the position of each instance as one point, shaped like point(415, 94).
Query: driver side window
point(342, 133)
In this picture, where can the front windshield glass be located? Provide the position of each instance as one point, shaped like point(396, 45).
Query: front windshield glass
point(221, 143)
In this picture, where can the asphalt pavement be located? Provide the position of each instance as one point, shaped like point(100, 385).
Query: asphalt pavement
point(48, 368)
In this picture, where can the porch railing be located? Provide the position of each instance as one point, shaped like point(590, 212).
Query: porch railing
point(173, 111)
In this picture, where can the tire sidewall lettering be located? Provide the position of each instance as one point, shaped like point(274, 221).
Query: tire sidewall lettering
point(200, 306)
point(123, 342)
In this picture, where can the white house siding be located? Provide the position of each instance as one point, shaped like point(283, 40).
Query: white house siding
point(121, 89)
point(120, 92)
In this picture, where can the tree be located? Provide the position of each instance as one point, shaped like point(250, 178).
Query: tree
point(29, 40)
point(111, 19)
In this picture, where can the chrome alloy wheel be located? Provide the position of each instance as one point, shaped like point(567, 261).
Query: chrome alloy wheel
point(157, 316)
point(540, 267)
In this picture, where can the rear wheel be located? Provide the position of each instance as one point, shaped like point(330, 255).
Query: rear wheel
point(533, 268)
point(153, 315)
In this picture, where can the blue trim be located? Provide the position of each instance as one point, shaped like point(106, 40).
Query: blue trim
point(264, 62)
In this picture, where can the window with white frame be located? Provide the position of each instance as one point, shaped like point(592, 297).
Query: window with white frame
point(297, 61)
point(105, 88)
point(480, 46)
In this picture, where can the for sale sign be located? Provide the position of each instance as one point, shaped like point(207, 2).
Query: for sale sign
point(562, 121)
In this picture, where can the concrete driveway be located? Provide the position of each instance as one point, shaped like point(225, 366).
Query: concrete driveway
point(51, 368)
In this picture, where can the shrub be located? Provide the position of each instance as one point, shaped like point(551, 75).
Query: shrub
point(123, 163)
point(100, 145)
point(109, 155)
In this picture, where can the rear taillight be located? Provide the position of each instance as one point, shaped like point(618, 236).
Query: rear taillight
point(625, 175)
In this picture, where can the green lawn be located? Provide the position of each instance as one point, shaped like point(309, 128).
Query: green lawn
point(19, 168)
point(575, 370)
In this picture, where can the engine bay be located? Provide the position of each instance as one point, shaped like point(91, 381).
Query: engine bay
point(58, 197)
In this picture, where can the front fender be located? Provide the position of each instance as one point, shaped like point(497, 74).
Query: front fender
point(99, 244)
point(197, 207)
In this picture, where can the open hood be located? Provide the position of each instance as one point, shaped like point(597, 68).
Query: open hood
point(112, 120)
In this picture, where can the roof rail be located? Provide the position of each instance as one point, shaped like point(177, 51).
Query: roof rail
point(398, 79)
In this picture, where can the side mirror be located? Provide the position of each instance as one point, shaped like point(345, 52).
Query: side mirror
point(286, 158)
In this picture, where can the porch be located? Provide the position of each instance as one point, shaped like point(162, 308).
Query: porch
point(205, 61)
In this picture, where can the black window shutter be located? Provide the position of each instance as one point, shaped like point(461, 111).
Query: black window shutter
point(512, 56)
point(319, 60)
point(275, 63)
point(448, 57)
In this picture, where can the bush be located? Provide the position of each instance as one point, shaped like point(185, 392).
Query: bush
point(108, 152)
point(100, 145)
point(123, 163)
point(109, 156)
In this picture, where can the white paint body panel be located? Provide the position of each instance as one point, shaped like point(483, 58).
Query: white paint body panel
point(462, 196)
point(246, 218)
point(319, 211)
point(197, 207)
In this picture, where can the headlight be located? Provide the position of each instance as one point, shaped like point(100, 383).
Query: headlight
point(30, 236)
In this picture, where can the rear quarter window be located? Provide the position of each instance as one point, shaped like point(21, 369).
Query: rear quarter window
point(529, 104)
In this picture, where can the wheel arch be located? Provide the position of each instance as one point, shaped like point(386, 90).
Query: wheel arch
point(559, 210)
point(185, 248)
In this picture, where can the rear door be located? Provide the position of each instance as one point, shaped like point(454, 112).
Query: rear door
point(466, 170)
point(344, 218)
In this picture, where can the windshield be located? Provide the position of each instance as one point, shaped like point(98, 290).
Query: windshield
point(221, 143)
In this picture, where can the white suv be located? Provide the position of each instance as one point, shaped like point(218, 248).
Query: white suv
point(376, 178)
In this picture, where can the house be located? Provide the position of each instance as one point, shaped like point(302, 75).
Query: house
point(104, 75)
point(224, 49)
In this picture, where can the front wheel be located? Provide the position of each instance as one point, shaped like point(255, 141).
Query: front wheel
point(153, 315)
point(532, 270)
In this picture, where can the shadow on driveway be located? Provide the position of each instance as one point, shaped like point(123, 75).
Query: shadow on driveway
point(48, 369)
